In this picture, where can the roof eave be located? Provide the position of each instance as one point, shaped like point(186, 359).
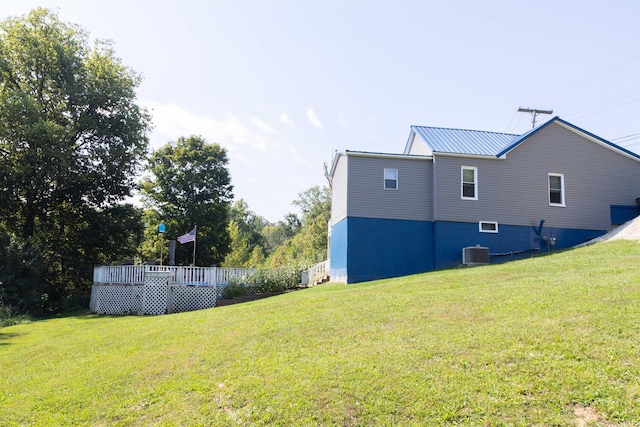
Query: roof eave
point(600, 141)
point(475, 156)
point(573, 128)
point(388, 155)
point(336, 156)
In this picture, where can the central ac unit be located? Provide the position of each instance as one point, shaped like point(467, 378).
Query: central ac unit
point(473, 255)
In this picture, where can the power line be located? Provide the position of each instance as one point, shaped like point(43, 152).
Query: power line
point(517, 123)
point(605, 109)
point(626, 136)
point(603, 104)
point(629, 145)
point(512, 117)
point(606, 70)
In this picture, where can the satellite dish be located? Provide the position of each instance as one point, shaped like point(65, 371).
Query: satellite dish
point(162, 228)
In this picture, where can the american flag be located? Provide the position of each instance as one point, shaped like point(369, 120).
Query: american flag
point(189, 237)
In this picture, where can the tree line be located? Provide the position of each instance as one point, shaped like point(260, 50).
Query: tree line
point(73, 143)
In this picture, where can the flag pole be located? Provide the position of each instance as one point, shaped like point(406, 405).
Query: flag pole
point(195, 237)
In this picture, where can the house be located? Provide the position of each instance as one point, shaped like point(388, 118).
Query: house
point(550, 188)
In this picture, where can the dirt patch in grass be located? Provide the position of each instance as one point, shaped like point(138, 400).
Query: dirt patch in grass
point(587, 416)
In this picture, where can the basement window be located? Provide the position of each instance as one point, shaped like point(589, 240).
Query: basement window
point(391, 179)
point(488, 226)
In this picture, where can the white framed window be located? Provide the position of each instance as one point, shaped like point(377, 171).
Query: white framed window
point(390, 179)
point(488, 226)
point(469, 183)
point(556, 189)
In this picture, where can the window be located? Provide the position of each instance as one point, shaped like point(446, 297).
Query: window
point(488, 227)
point(391, 179)
point(469, 183)
point(556, 189)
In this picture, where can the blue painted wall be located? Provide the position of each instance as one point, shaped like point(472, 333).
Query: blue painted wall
point(451, 237)
point(380, 248)
point(365, 249)
point(338, 251)
point(510, 243)
point(621, 214)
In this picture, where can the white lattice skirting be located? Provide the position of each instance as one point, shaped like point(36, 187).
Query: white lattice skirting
point(156, 296)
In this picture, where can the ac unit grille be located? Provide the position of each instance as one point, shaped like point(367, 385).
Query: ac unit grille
point(473, 255)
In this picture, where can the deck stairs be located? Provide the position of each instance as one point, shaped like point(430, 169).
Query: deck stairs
point(316, 274)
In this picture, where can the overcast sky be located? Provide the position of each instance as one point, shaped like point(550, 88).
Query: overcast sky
point(283, 84)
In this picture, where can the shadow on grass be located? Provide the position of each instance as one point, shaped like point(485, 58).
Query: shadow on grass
point(4, 337)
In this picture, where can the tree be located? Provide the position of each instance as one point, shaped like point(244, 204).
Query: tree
point(277, 235)
point(70, 130)
point(309, 243)
point(247, 237)
point(248, 222)
point(71, 140)
point(190, 187)
point(240, 251)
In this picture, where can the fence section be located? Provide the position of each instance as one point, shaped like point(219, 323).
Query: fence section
point(154, 289)
point(134, 274)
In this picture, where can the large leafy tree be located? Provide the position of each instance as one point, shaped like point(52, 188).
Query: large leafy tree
point(70, 130)
point(71, 141)
point(191, 186)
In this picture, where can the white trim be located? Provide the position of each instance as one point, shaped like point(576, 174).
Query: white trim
point(487, 231)
point(475, 182)
point(388, 155)
point(384, 178)
point(469, 156)
point(562, 203)
point(334, 163)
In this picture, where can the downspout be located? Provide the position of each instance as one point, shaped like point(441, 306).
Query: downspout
point(539, 230)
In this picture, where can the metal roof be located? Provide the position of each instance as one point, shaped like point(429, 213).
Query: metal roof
point(463, 141)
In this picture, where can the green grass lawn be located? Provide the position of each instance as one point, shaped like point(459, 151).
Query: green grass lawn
point(524, 343)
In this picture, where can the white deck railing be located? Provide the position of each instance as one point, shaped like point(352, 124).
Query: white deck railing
point(134, 274)
point(316, 272)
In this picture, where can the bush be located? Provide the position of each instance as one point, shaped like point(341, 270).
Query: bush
point(262, 281)
point(234, 289)
point(9, 316)
point(274, 280)
point(25, 276)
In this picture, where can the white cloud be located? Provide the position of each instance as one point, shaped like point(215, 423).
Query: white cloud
point(262, 125)
point(268, 169)
point(286, 120)
point(172, 121)
point(342, 119)
point(314, 119)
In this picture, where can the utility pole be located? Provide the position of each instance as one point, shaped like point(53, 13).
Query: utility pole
point(534, 112)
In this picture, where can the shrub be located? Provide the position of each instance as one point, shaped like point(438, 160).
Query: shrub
point(274, 280)
point(235, 288)
point(262, 281)
point(25, 276)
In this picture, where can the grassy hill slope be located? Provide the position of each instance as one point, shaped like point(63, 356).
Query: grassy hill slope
point(552, 340)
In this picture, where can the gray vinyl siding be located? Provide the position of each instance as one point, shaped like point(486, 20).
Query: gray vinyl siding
point(515, 190)
point(368, 198)
point(339, 190)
